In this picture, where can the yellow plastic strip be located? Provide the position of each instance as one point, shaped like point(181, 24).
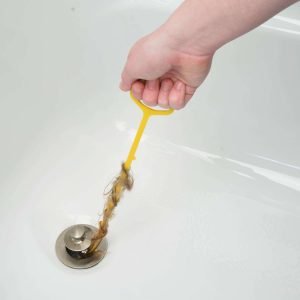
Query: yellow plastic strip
point(147, 113)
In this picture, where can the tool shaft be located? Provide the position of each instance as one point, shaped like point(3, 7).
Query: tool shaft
point(135, 144)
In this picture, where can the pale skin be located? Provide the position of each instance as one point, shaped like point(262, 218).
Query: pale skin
point(167, 66)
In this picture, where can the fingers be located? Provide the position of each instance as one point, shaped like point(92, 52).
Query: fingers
point(163, 96)
point(126, 80)
point(189, 93)
point(151, 92)
point(166, 93)
point(138, 89)
point(177, 95)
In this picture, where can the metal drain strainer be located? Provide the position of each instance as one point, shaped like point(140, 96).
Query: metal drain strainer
point(72, 247)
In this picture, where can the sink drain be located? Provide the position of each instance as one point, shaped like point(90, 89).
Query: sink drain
point(72, 247)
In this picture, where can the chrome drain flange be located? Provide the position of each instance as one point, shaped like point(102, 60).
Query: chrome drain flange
point(72, 247)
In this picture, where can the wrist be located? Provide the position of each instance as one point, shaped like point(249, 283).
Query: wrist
point(179, 42)
point(190, 33)
point(201, 27)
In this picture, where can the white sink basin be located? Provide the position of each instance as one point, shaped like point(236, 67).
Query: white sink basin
point(215, 210)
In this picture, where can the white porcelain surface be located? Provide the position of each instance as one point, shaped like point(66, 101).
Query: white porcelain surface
point(215, 210)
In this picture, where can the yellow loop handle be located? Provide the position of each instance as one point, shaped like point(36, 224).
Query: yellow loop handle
point(150, 111)
point(147, 113)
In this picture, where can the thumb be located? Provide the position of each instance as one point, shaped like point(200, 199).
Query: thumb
point(126, 79)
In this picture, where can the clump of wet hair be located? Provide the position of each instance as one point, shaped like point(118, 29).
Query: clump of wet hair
point(124, 181)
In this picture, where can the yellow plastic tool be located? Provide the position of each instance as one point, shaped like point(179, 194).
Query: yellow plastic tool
point(147, 113)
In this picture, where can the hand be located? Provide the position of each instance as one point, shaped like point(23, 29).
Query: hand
point(159, 73)
point(167, 66)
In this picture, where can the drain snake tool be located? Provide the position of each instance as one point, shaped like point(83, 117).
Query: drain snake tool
point(147, 113)
point(124, 180)
point(83, 246)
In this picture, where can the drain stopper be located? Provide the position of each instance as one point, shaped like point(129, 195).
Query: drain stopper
point(72, 246)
